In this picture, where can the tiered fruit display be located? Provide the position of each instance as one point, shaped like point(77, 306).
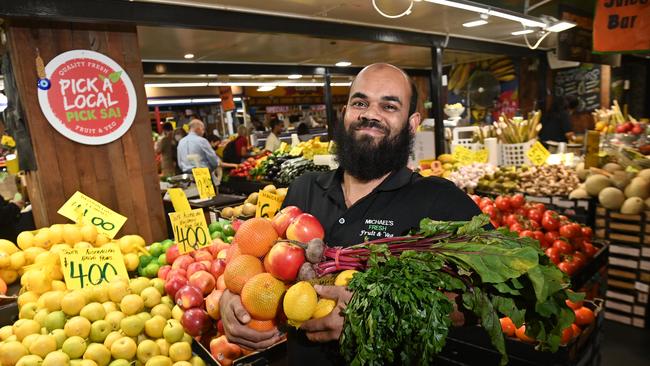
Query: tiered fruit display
point(249, 207)
point(441, 167)
point(613, 120)
point(568, 244)
point(248, 168)
point(545, 180)
point(157, 257)
point(116, 323)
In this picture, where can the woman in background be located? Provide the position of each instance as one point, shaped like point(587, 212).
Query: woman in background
point(556, 123)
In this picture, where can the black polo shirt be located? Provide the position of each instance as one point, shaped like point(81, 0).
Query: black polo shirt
point(392, 209)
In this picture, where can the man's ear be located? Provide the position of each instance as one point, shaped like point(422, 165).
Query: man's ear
point(414, 121)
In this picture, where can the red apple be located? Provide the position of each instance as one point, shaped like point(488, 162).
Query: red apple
point(195, 267)
point(284, 260)
point(207, 264)
point(204, 281)
point(283, 218)
point(222, 254)
point(221, 283)
point(174, 284)
point(164, 271)
point(188, 297)
point(172, 253)
point(236, 224)
point(202, 255)
point(183, 262)
point(221, 349)
point(304, 228)
point(213, 248)
point(176, 272)
point(218, 267)
point(195, 321)
point(212, 304)
point(637, 130)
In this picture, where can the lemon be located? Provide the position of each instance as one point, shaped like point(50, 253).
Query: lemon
point(27, 297)
point(8, 275)
point(25, 240)
point(17, 261)
point(56, 234)
point(5, 260)
point(125, 245)
point(31, 253)
point(323, 308)
point(344, 277)
point(300, 303)
point(101, 240)
point(71, 234)
point(131, 261)
point(89, 233)
point(42, 238)
point(59, 285)
point(8, 247)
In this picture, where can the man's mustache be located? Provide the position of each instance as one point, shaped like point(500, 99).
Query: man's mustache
point(370, 123)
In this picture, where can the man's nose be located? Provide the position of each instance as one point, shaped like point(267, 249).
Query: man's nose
point(372, 112)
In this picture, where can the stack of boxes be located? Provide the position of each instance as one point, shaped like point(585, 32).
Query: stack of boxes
point(628, 282)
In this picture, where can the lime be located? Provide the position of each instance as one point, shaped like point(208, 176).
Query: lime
point(167, 243)
point(228, 230)
point(215, 226)
point(156, 249)
point(162, 259)
point(229, 239)
point(151, 270)
point(215, 234)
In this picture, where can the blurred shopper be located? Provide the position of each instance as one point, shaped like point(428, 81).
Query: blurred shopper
point(9, 217)
point(556, 123)
point(194, 151)
point(165, 147)
point(273, 140)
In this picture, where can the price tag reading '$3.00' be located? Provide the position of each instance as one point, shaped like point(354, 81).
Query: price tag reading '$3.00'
point(90, 267)
point(81, 208)
point(190, 230)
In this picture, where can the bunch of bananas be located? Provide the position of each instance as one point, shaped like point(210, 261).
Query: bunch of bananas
point(503, 69)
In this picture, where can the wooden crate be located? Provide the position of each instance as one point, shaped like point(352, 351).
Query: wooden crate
point(619, 228)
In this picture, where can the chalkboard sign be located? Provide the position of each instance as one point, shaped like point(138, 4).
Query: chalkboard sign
point(581, 82)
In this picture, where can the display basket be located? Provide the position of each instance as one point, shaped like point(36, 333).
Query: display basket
point(515, 154)
point(465, 142)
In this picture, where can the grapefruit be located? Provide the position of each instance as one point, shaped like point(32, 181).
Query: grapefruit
point(261, 325)
point(261, 296)
point(240, 270)
point(232, 252)
point(256, 237)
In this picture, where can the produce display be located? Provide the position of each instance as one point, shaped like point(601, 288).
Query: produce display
point(567, 244)
point(293, 168)
point(441, 167)
point(157, 257)
point(246, 210)
point(544, 180)
point(517, 130)
point(468, 176)
point(612, 120)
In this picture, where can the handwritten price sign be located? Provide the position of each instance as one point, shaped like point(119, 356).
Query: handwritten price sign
point(190, 230)
point(81, 208)
point(92, 267)
point(465, 156)
point(179, 199)
point(268, 204)
point(538, 153)
point(203, 181)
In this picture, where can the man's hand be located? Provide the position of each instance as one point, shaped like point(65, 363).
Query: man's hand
point(330, 327)
point(235, 318)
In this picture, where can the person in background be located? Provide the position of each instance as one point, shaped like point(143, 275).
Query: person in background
point(194, 151)
point(556, 123)
point(241, 143)
point(303, 132)
point(178, 134)
point(9, 217)
point(273, 140)
point(165, 147)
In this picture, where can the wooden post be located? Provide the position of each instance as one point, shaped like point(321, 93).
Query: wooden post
point(121, 174)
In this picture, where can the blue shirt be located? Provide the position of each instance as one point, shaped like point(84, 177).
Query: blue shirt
point(195, 151)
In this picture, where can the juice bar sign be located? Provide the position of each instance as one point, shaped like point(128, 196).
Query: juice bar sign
point(87, 97)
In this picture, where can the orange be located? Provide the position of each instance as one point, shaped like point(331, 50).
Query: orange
point(256, 237)
point(261, 296)
point(240, 270)
point(261, 325)
point(521, 334)
point(507, 326)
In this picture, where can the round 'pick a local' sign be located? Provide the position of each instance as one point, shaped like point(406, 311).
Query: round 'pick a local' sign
point(88, 97)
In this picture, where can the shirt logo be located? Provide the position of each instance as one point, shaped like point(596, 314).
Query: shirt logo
point(377, 228)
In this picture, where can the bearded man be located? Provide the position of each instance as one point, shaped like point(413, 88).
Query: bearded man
point(372, 195)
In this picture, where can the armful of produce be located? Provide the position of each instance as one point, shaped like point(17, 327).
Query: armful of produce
point(399, 312)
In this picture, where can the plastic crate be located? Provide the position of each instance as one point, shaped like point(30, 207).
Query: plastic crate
point(465, 142)
point(515, 154)
point(274, 355)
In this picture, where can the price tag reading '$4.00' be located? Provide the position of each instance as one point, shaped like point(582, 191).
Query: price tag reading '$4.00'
point(190, 230)
point(268, 204)
point(203, 180)
point(81, 208)
point(90, 267)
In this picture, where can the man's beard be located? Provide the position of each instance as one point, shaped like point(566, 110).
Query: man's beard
point(363, 158)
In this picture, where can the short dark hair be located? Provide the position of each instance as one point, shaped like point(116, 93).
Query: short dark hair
point(275, 122)
point(213, 138)
point(167, 126)
point(302, 129)
point(413, 103)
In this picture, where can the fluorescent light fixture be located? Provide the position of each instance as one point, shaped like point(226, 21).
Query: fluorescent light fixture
point(560, 26)
point(187, 101)
point(342, 84)
point(175, 85)
point(482, 9)
point(343, 63)
point(266, 88)
point(515, 18)
point(522, 32)
point(299, 84)
point(294, 76)
point(475, 23)
point(189, 56)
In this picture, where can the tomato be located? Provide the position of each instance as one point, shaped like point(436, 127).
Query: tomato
point(563, 219)
point(485, 201)
point(517, 200)
point(533, 225)
point(587, 232)
point(476, 199)
point(491, 211)
point(507, 326)
point(567, 267)
point(567, 335)
point(535, 215)
point(539, 206)
point(584, 316)
point(589, 249)
point(502, 203)
point(539, 236)
point(522, 211)
point(550, 222)
point(577, 242)
point(511, 219)
point(579, 259)
point(516, 227)
point(521, 334)
point(576, 330)
point(562, 247)
point(527, 233)
point(570, 230)
point(553, 255)
point(551, 236)
point(573, 305)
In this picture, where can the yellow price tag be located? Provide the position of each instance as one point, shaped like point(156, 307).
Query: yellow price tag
point(190, 230)
point(90, 267)
point(296, 151)
point(463, 155)
point(7, 141)
point(81, 208)
point(179, 200)
point(203, 180)
point(283, 146)
point(538, 153)
point(268, 204)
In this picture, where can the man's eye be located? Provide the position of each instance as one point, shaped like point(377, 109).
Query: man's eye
point(390, 107)
point(358, 104)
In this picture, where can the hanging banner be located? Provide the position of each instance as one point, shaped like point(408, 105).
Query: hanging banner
point(227, 102)
point(87, 97)
point(622, 26)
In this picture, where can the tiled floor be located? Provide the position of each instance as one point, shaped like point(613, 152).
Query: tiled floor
point(624, 345)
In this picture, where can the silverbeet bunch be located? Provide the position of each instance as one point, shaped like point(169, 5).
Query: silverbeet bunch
point(399, 313)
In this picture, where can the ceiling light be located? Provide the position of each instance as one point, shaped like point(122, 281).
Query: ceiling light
point(186, 101)
point(343, 63)
point(474, 23)
point(522, 32)
point(266, 88)
point(300, 84)
point(560, 26)
point(341, 84)
point(175, 85)
point(189, 56)
point(294, 76)
point(478, 8)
